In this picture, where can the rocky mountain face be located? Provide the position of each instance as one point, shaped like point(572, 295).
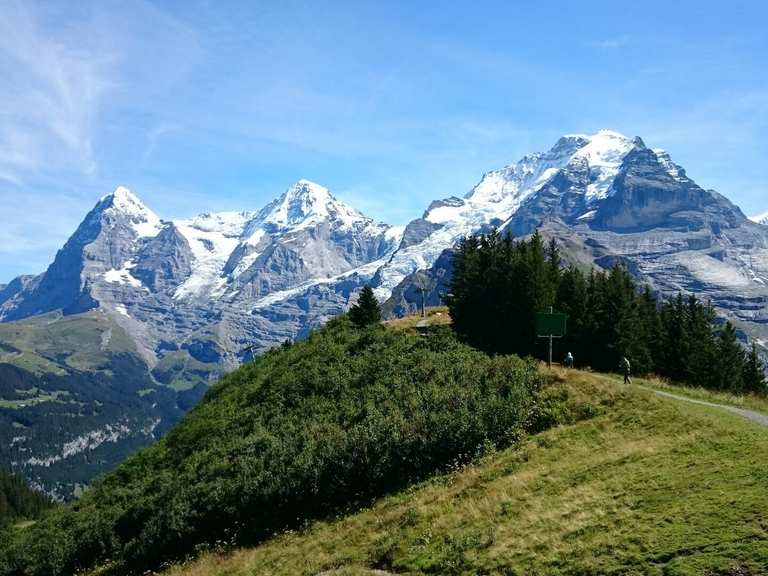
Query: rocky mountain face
point(196, 297)
point(205, 285)
point(609, 198)
point(166, 306)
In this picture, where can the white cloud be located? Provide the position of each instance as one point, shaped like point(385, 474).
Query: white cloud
point(613, 43)
point(50, 91)
point(154, 136)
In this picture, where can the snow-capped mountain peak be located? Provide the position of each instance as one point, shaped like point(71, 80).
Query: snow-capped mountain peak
point(604, 152)
point(218, 282)
point(125, 203)
point(672, 169)
point(570, 182)
point(760, 219)
point(304, 233)
point(306, 203)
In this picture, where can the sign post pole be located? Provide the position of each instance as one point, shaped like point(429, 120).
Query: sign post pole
point(550, 325)
point(549, 365)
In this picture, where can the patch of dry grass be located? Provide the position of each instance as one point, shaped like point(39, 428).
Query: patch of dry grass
point(436, 316)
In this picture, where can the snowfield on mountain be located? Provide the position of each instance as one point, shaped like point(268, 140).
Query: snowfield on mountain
point(760, 219)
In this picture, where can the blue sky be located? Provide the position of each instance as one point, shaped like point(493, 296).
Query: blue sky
point(206, 106)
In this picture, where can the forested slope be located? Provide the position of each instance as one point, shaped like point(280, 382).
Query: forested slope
point(18, 500)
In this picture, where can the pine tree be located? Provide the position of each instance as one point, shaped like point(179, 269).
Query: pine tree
point(554, 261)
point(754, 373)
point(499, 285)
point(572, 301)
point(674, 355)
point(699, 345)
point(730, 360)
point(367, 310)
point(648, 332)
point(462, 298)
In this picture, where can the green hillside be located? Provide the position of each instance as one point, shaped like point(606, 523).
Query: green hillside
point(370, 447)
point(56, 344)
point(649, 485)
point(306, 431)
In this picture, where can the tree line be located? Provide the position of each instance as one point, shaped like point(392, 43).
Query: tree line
point(499, 284)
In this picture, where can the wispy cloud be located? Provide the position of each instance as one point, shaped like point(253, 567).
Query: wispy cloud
point(613, 43)
point(156, 134)
point(79, 85)
point(198, 108)
point(50, 93)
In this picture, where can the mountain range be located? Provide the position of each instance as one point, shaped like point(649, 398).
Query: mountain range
point(134, 306)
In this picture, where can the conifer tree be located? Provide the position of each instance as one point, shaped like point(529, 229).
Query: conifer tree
point(572, 301)
point(754, 373)
point(463, 298)
point(554, 261)
point(674, 356)
point(367, 310)
point(730, 360)
point(647, 332)
point(18, 500)
point(699, 346)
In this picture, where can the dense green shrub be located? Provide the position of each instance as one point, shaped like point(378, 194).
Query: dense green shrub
point(305, 431)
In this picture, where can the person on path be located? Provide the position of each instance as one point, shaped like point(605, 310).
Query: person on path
point(626, 369)
point(569, 360)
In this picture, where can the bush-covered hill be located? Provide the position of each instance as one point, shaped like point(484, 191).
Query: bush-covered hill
point(646, 486)
point(304, 431)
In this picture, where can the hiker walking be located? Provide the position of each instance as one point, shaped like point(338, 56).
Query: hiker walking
point(569, 360)
point(626, 369)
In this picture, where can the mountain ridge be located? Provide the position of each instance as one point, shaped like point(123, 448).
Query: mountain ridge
point(760, 218)
point(307, 243)
point(199, 296)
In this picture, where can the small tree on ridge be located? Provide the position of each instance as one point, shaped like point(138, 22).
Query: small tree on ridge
point(367, 310)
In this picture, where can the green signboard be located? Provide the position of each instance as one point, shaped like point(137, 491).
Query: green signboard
point(550, 324)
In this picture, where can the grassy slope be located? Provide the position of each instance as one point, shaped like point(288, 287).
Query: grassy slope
point(648, 486)
point(746, 401)
point(54, 343)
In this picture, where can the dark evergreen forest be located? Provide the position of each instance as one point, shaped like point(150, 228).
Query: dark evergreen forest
point(499, 284)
